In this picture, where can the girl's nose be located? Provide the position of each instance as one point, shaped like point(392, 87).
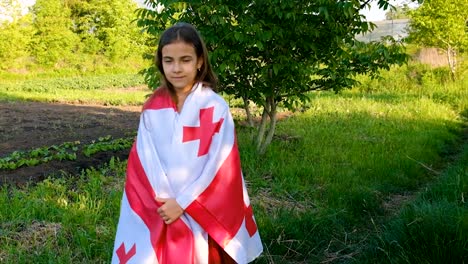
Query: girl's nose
point(176, 67)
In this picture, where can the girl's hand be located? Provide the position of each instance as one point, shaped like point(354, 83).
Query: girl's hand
point(170, 210)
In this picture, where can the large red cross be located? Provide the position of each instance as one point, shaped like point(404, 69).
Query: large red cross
point(204, 132)
point(124, 256)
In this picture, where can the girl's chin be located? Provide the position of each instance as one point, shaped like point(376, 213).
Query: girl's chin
point(178, 84)
point(181, 84)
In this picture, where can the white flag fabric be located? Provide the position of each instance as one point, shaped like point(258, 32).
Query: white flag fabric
point(200, 167)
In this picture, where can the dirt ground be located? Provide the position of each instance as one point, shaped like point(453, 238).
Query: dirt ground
point(28, 125)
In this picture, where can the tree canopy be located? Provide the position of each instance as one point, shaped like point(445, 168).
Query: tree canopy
point(107, 28)
point(15, 35)
point(274, 52)
point(67, 33)
point(53, 39)
point(441, 24)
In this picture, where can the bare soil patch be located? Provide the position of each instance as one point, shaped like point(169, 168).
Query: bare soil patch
point(28, 125)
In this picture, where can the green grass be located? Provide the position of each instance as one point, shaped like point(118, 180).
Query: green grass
point(63, 220)
point(345, 158)
point(377, 174)
point(115, 89)
point(83, 66)
point(432, 229)
point(420, 81)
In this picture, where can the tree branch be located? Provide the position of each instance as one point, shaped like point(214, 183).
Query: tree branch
point(318, 88)
point(364, 5)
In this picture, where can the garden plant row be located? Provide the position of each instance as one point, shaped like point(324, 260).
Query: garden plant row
point(65, 151)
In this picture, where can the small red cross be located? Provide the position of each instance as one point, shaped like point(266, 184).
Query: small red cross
point(124, 257)
point(204, 132)
point(249, 221)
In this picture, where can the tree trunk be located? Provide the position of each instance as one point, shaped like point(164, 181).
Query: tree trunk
point(247, 111)
point(261, 128)
point(451, 61)
point(271, 130)
point(269, 112)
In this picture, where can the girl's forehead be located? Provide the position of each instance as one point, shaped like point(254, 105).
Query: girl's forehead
point(178, 48)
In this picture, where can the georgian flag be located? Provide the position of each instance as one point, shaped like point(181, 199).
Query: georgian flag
point(200, 167)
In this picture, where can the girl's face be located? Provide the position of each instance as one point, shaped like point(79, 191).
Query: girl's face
point(180, 64)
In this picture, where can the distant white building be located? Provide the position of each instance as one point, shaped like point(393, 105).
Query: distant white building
point(396, 28)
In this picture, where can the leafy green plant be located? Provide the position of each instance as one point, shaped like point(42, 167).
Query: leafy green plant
point(107, 144)
point(17, 159)
point(65, 151)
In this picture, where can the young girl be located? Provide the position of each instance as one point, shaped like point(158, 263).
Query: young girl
point(185, 199)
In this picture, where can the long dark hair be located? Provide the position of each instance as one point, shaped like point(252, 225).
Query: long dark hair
point(187, 33)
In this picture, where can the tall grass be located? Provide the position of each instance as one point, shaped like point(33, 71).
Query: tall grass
point(421, 81)
point(329, 189)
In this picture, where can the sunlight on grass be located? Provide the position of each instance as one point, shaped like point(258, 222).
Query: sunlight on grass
point(346, 143)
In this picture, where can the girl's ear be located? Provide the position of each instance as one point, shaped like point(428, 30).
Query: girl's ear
point(199, 62)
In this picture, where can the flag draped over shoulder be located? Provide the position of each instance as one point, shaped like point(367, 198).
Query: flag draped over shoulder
point(191, 156)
